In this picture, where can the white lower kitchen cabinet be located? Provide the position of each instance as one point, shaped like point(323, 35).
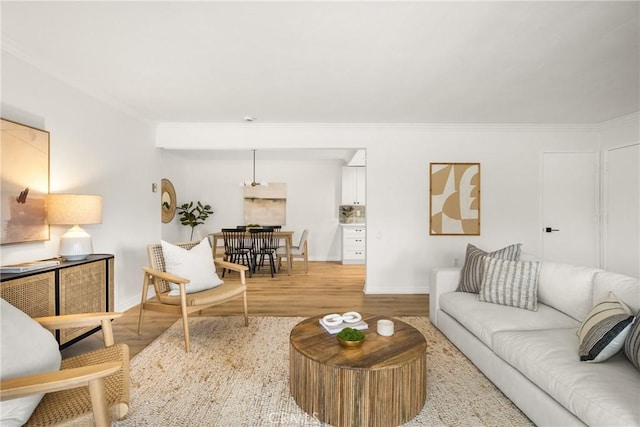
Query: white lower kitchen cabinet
point(353, 243)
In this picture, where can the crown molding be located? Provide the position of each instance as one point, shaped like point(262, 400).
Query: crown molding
point(470, 127)
point(629, 118)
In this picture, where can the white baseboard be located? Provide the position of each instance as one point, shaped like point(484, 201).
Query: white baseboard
point(417, 289)
point(128, 303)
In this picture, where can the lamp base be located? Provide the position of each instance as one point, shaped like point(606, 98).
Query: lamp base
point(75, 244)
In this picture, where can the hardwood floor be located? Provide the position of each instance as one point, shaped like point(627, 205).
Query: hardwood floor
point(329, 287)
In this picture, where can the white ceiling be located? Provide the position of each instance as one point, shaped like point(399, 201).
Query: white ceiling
point(341, 62)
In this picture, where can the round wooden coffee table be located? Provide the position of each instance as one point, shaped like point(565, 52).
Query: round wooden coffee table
point(381, 383)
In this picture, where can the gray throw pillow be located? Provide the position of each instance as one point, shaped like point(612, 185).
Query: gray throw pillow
point(632, 344)
point(512, 283)
point(471, 274)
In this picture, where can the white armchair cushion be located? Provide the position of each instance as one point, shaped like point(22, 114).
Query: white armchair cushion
point(26, 348)
point(196, 265)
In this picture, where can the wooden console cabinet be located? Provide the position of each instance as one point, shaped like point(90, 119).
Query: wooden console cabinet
point(72, 287)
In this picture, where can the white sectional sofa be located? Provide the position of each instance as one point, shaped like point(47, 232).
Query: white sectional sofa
point(532, 356)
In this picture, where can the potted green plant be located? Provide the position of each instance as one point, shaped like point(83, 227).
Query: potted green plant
point(194, 215)
point(350, 337)
point(347, 212)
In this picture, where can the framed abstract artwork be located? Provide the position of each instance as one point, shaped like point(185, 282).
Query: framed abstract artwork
point(24, 183)
point(265, 204)
point(454, 199)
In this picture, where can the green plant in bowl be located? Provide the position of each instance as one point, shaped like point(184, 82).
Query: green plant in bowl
point(350, 337)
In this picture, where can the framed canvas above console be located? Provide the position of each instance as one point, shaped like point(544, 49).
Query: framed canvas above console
point(24, 183)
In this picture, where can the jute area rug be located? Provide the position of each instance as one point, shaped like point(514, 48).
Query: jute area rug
point(237, 376)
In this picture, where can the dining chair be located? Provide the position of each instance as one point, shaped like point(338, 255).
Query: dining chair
point(264, 245)
point(185, 302)
point(237, 248)
point(299, 251)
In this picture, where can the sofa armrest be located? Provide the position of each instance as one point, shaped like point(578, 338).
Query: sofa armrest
point(443, 280)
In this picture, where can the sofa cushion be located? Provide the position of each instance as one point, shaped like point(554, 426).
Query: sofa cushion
point(604, 330)
point(567, 288)
point(632, 344)
point(471, 274)
point(626, 288)
point(26, 348)
point(512, 283)
point(600, 394)
point(195, 264)
point(484, 319)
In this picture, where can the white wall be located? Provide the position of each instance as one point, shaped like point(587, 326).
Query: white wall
point(94, 149)
point(313, 194)
point(400, 251)
point(173, 168)
point(621, 195)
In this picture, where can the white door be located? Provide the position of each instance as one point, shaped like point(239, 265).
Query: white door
point(622, 210)
point(570, 208)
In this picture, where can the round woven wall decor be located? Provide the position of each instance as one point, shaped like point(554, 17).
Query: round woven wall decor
point(167, 200)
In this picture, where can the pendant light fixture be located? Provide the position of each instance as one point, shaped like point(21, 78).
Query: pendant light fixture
point(254, 183)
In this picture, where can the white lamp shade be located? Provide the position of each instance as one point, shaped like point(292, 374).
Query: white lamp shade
point(75, 209)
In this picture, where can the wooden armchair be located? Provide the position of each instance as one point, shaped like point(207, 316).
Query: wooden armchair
point(96, 381)
point(185, 303)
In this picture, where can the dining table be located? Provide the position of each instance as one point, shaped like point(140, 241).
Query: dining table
point(286, 236)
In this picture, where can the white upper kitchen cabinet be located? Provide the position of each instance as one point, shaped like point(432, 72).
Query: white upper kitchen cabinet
point(353, 185)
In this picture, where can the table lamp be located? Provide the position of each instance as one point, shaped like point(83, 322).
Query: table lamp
point(76, 210)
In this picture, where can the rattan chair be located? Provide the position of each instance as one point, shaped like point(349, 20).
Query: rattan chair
point(97, 381)
point(155, 276)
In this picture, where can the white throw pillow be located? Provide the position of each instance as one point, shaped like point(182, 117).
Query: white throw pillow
point(603, 332)
point(26, 348)
point(196, 265)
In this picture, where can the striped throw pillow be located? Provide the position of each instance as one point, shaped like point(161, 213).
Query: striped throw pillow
point(632, 344)
point(512, 283)
point(471, 273)
point(604, 330)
